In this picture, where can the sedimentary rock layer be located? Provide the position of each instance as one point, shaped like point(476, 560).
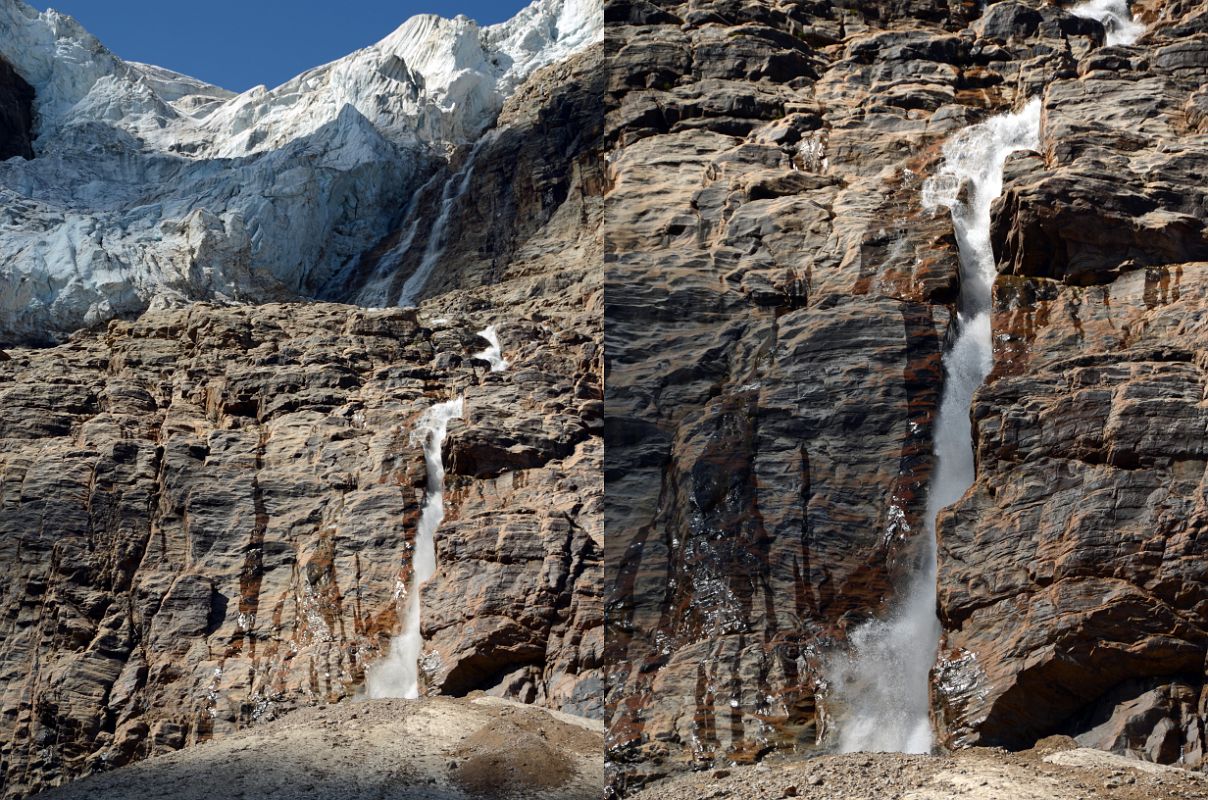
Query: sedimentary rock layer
point(206, 511)
point(207, 517)
point(777, 307)
point(1074, 576)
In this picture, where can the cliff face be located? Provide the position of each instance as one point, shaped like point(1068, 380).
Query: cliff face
point(208, 516)
point(1073, 576)
point(207, 513)
point(777, 306)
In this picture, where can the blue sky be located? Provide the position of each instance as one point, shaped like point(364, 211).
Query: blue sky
point(238, 44)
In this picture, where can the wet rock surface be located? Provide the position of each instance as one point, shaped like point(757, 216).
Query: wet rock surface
point(437, 749)
point(528, 178)
point(1073, 576)
point(777, 303)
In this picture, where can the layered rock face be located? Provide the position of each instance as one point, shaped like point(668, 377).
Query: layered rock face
point(1074, 575)
point(207, 518)
point(777, 305)
point(207, 512)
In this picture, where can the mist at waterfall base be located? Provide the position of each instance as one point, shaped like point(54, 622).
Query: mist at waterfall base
point(397, 675)
point(879, 689)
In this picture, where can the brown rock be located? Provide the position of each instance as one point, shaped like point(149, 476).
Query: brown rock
point(1072, 576)
point(207, 515)
point(776, 307)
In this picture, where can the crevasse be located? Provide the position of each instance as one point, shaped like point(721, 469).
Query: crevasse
point(397, 675)
point(880, 689)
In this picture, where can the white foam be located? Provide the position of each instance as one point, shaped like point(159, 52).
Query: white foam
point(397, 675)
point(494, 353)
point(1122, 27)
point(880, 690)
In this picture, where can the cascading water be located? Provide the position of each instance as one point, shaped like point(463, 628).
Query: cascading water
point(880, 689)
point(454, 189)
point(1122, 27)
point(494, 353)
point(397, 675)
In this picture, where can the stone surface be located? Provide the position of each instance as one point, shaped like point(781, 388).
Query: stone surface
point(777, 302)
point(1055, 770)
point(206, 512)
point(438, 749)
point(207, 517)
point(1074, 575)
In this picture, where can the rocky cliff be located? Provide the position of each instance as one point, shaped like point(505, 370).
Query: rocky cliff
point(207, 518)
point(1074, 577)
point(207, 511)
point(778, 301)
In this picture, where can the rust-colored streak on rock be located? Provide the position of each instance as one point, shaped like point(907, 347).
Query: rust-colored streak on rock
point(207, 510)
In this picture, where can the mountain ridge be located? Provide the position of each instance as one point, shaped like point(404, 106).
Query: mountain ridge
point(149, 187)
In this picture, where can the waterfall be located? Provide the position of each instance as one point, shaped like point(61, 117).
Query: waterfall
point(881, 688)
point(494, 353)
point(397, 675)
point(455, 188)
point(1122, 27)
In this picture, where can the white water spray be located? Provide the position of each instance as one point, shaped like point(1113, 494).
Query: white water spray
point(494, 353)
point(438, 239)
point(881, 689)
point(397, 675)
point(1122, 27)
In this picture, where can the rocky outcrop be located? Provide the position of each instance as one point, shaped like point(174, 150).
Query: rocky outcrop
point(1073, 576)
point(199, 537)
point(16, 114)
point(777, 303)
point(207, 515)
point(527, 177)
point(207, 509)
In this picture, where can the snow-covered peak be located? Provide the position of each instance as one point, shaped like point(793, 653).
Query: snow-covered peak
point(149, 184)
point(431, 80)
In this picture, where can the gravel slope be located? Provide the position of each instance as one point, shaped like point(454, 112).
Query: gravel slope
point(1055, 770)
point(434, 749)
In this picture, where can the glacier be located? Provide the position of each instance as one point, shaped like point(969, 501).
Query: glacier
point(149, 187)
